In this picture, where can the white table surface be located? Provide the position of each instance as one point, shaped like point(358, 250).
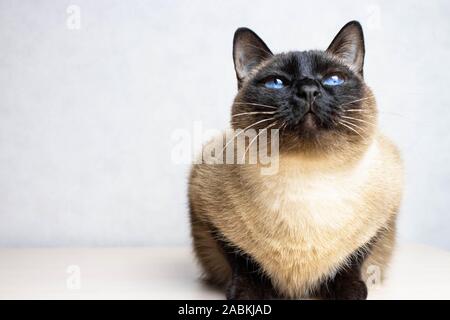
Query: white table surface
point(417, 272)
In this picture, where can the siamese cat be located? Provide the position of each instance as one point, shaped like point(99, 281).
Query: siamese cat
point(319, 225)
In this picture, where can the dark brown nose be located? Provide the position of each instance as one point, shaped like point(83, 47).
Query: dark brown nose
point(309, 92)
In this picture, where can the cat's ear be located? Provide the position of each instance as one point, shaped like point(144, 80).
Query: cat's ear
point(248, 52)
point(348, 45)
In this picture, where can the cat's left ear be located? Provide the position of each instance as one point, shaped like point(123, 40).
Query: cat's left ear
point(248, 52)
point(348, 45)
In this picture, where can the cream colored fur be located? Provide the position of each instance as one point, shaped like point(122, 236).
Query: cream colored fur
point(302, 223)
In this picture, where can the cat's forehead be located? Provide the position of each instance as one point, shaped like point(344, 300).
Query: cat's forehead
point(303, 63)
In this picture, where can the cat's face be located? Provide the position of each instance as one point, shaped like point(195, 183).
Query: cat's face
point(317, 99)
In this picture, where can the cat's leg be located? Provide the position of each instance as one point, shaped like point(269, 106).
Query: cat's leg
point(209, 254)
point(374, 268)
point(225, 266)
point(347, 284)
point(247, 280)
point(350, 282)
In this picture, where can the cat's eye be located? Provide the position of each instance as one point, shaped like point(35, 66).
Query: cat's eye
point(274, 83)
point(333, 80)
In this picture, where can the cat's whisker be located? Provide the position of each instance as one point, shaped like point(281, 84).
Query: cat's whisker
point(381, 112)
point(361, 110)
point(350, 128)
point(360, 120)
point(241, 131)
point(254, 112)
point(256, 104)
point(365, 115)
point(354, 125)
point(358, 100)
point(254, 139)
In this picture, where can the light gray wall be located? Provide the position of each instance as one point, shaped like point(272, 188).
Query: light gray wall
point(86, 116)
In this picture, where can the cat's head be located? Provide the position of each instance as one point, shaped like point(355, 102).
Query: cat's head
point(318, 99)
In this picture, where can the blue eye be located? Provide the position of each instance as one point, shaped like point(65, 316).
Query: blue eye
point(333, 80)
point(274, 83)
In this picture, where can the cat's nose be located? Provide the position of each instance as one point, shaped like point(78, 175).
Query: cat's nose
point(309, 92)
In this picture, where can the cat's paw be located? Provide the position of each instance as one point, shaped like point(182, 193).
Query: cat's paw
point(242, 290)
point(351, 290)
point(236, 292)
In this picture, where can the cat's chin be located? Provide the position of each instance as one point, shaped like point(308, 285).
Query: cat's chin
point(310, 135)
point(309, 127)
point(310, 122)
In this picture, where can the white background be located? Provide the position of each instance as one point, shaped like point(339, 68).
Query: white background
point(87, 115)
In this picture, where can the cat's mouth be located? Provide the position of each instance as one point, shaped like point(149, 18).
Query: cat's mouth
point(310, 121)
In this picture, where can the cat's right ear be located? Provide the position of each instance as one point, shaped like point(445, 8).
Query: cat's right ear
point(248, 52)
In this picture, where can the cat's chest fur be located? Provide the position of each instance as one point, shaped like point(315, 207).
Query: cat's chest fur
point(321, 198)
point(311, 220)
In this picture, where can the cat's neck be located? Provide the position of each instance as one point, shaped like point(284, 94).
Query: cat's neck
point(342, 161)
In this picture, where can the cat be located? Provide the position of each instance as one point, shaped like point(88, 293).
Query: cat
point(312, 229)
